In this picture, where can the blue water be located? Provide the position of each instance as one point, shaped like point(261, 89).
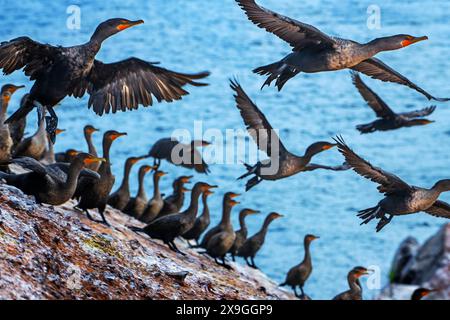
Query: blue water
point(215, 35)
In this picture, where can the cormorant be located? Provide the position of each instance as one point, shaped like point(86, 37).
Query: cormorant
point(167, 228)
point(72, 71)
point(355, 291)
point(49, 154)
point(119, 199)
point(186, 155)
point(201, 223)
point(17, 128)
point(282, 163)
point(388, 119)
point(224, 222)
point(34, 146)
point(400, 197)
point(66, 156)
point(221, 242)
point(53, 184)
point(252, 245)
point(94, 193)
point(298, 275)
point(137, 205)
point(242, 233)
point(88, 131)
point(314, 51)
point(420, 293)
point(174, 202)
point(156, 203)
point(6, 141)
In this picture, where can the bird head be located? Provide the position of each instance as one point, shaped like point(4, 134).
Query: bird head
point(87, 159)
point(203, 187)
point(273, 216)
point(318, 147)
point(160, 174)
point(134, 160)
point(247, 212)
point(310, 238)
point(59, 131)
point(90, 129)
point(233, 203)
point(419, 293)
point(396, 42)
point(8, 90)
point(146, 168)
point(110, 27)
point(185, 179)
point(113, 135)
point(360, 271)
point(419, 122)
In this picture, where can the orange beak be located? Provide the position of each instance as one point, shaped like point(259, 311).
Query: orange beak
point(233, 203)
point(59, 131)
point(93, 160)
point(118, 135)
point(234, 195)
point(129, 24)
point(327, 147)
point(73, 153)
point(409, 42)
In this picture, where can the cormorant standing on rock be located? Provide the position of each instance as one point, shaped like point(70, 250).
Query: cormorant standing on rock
point(174, 202)
point(355, 291)
point(241, 234)
point(136, 206)
point(156, 203)
point(201, 223)
point(298, 275)
point(88, 132)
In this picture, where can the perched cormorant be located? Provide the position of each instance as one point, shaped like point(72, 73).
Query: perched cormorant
point(136, 205)
point(174, 202)
point(34, 146)
point(201, 223)
point(420, 293)
point(185, 155)
point(400, 197)
point(6, 141)
point(298, 275)
point(314, 51)
point(167, 228)
point(17, 128)
point(119, 199)
point(224, 222)
point(388, 119)
point(242, 233)
point(49, 154)
point(88, 131)
point(252, 245)
point(72, 71)
point(220, 243)
point(52, 184)
point(156, 203)
point(94, 193)
point(282, 163)
point(355, 291)
point(66, 156)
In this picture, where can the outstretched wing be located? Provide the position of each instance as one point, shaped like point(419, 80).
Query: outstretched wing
point(440, 209)
point(377, 69)
point(25, 53)
point(294, 32)
point(129, 83)
point(162, 149)
point(419, 113)
point(342, 167)
point(381, 109)
point(257, 125)
point(388, 182)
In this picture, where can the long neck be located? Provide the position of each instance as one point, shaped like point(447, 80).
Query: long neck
point(226, 214)
point(141, 192)
point(205, 212)
point(242, 222)
point(354, 284)
point(91, 146)
point(179, 196)
point(125, 185)
point(265, 227)
point(193, 206)
point(438, 188)
point(106, 148)
point(72, 176)
point(307, 258)
point(156, 193)
point(3, 112)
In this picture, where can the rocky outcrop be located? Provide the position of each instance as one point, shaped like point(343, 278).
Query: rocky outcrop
point(57, 253)
point(425, 266)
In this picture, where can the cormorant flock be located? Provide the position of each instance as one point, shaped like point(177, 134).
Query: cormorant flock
point(54, 178)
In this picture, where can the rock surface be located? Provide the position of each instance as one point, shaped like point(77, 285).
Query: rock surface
point(57, 253)
point(425, 266)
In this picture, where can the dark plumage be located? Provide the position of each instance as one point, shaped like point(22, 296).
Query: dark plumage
point(177, 153)
point(17, 128)
point(202, 222)
point(6, 140)
point(156, 203)
point(314, 51)
point(93, 194)
point(66, 156)
point(119, 199)
point(72, 71)
point(420, 293)
point(355, 291)
point(224, 222)
point(242, 233)
point(48, 156)
point(136, 205)
point(388, 119)
point(253, 244)
point(174, 202)
point(167, 228)
point(400, 197)
point(281, 163)
point(53, 184)
point(298, 275)
point(88, 132)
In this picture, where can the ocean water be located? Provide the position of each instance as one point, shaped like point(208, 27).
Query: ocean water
point(192, 36)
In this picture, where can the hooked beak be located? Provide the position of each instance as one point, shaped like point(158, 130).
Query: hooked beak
point(253, 211)
point(15, 88)
point(406, 43)
point(129, 24)
point(330, 146)
point(118, 135)
point(59, 131)
point(234, 195)
point(186, 179)
point(94, 160)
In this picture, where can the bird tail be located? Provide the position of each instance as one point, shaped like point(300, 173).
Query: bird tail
point(365, 128)
point(252, 183)
point(251, 170)
point(273, 71)
point(369, 214)
point(24, 109)
point(136, 229)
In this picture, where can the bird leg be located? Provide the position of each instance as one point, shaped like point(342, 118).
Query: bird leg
point(248, 263)
point(301, 289)
point(233, 257)
point(223, 263)
point(52, 124)
point(176, 248)
point(383, 222)
point(295, 291)
point(88, 214)
point(253, 265)
point(104, 219)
